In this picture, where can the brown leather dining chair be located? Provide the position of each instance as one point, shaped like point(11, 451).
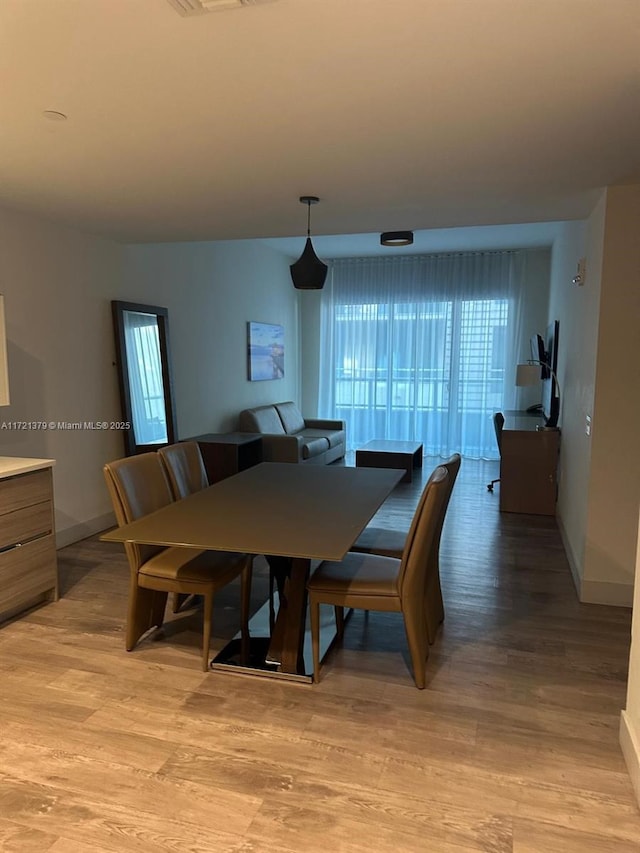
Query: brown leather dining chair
point(391, 543)
point(138, 485)
point(186, 472)
point(185, 468)
point(374, 582)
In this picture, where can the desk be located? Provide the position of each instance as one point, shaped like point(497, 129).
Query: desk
point(528, 465)
point(305, 512)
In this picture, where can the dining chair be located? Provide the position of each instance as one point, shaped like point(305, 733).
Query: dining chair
point(374, 582)
point(186, 472)
point(185, 468)
point(138, 485)
point(391, 543)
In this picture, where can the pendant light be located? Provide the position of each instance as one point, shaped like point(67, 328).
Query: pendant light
point(308, 272)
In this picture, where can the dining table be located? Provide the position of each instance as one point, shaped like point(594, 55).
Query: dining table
point(294, 513)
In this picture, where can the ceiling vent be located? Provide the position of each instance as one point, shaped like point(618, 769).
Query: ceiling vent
point(199, 7)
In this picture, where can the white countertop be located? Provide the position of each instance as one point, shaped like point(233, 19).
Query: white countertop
point(12, 465)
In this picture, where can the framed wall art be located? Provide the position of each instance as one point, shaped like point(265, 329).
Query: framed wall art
point(265, 348)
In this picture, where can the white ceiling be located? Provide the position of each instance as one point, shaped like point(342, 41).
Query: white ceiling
point(399, 114)
point(474, 238)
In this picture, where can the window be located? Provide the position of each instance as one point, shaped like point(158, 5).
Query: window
point(409, 363)
point(420, 354)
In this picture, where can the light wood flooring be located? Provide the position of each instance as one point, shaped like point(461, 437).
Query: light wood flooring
point(513, 746)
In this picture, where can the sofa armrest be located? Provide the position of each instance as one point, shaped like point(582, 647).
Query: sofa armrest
point(321, 423)
point(282, 448)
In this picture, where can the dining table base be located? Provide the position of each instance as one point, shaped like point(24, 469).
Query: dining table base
point(254, 660)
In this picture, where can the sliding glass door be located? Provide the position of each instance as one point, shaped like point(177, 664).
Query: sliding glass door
point(427, 369)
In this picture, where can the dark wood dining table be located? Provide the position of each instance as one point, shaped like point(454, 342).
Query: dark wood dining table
point(304, 513)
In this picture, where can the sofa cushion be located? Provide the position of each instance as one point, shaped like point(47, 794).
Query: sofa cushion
point(264, 419)
point(335, 437)
point(290, 416)
point(313, 445)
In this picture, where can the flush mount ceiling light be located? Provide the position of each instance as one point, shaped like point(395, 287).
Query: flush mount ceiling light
point(396, 238)
point(308, 272)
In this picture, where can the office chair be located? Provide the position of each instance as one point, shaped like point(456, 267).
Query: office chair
point(498, 423)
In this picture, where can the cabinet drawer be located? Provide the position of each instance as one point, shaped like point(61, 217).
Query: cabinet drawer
point(27, 572)
point(24, 524)
point(25, 490)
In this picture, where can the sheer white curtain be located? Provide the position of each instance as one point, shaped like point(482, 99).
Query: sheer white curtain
point(422, 348)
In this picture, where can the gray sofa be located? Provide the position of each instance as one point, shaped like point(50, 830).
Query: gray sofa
point(288, 437)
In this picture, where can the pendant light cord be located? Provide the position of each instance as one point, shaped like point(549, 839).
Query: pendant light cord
point(308, 219)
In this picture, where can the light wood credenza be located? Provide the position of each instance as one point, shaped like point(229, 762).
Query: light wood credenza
point(28, 564)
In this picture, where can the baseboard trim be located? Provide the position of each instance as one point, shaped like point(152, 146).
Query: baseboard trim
point(631, 752)
point(82, 531)
point(594, 592)
point(571, 558)
point(603, 592)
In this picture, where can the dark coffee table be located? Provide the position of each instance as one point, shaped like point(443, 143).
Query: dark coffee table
point(384, 453)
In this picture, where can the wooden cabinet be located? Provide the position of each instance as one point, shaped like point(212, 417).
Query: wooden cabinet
point(528, 467)
point(225, 454)
point(28, 565)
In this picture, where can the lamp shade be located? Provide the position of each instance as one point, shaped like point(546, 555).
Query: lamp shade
point(4, 366)
point(527, 374)
point(308, 272)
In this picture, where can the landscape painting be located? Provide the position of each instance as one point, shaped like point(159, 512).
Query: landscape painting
point(266, 351)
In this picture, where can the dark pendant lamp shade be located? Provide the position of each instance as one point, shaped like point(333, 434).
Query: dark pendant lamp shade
point(308, 272)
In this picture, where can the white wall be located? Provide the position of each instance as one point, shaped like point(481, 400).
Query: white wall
point(58, 285)
point(630, 719)
point(310, 306)
point(212, 290)
point(576, 309)
point(600, 373)
point(614, 487)
point(533, 318)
